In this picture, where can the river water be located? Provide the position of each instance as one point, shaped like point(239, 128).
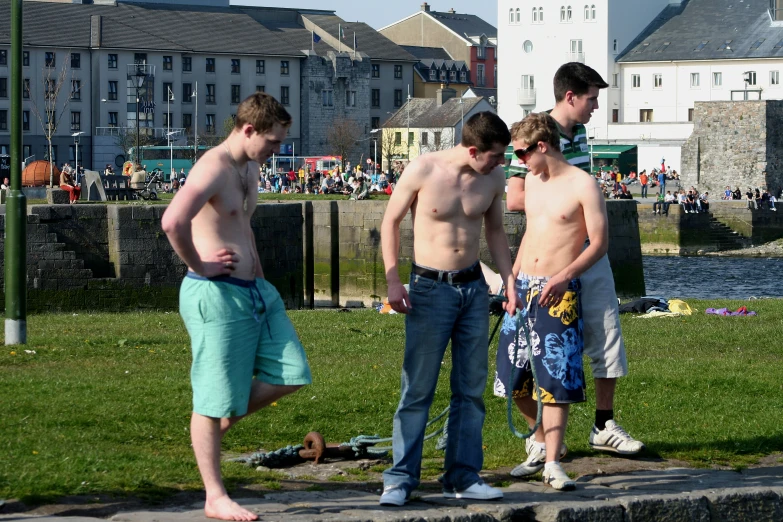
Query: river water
point(713, 277)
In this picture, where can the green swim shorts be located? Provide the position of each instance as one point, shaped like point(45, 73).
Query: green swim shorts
point(239, 331)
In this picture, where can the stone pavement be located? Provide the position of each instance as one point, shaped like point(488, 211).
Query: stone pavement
point(675, 494)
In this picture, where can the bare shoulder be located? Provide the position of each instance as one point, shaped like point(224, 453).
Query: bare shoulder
point(581, 180)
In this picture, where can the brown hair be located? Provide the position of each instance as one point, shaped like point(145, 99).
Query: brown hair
point(577, 78)
point(261, 111)
point(483, 130)
point(537, 126)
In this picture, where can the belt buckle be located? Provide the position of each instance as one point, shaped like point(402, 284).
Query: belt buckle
point(451, 278)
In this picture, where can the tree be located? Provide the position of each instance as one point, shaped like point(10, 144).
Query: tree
point(126, 140)
point(342, 137)
point(389, 147)
point(52, 80)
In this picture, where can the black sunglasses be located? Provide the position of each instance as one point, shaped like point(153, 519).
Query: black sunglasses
point(521, 153)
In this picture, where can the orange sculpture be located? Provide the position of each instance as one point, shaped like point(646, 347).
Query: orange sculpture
point(36, 174)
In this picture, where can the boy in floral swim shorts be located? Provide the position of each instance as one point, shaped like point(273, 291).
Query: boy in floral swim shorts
point(563, 206)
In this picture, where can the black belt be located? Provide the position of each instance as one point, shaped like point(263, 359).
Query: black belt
point(465, 275)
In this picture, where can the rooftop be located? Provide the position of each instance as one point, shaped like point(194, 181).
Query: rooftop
point(425, 113)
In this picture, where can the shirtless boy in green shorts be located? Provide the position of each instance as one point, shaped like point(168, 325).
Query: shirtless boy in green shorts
point(246, 353)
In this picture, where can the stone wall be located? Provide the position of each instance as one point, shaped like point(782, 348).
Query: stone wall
point(347, 250)
point(340, 73)
point(116, 257)
point(734, 143)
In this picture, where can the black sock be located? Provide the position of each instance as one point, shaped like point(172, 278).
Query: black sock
point(601, 416)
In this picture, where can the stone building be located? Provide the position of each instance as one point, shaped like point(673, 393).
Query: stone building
point(736, 144)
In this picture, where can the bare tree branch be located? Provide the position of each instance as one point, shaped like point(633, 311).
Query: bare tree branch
point(342, 137)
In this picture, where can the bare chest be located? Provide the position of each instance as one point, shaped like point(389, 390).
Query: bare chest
point(445, 200)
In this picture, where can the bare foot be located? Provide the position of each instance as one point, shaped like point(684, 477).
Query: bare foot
point(224, 508)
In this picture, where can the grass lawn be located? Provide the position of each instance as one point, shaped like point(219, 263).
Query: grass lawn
point(100, 403)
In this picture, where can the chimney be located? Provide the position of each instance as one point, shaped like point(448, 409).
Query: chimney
point(425, 7)
point(96, 30)
point(444, 94)
point(452, 11)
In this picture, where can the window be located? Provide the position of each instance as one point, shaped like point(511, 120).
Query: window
point(376, 70)
point(437, 138)
point(615, 80)
point(168, 63)
point(562, 14)
point(210, 123)
point(410, 139)
point(463, 76)
point(480, 81)
point(71, 152)
point(284, 90)
point(166, 119)
point(645, 115)
point(568, 13)
point(433, 74)
point(615, 115)
point(112, 61)
point(398, 71)
point(235, 94)
point(26, 58)
point(26, 121)
point(397, 137)
point(76, 61)
point(50, 59)
point(717, 79)
point(695, 80)
point(541, 15)
point(750, 77)
point(443, 76)
point(701, 45)
point(187, 93)
point(424, 138)
point(26, 88)
point(725, 46)
point(327, 96)
point(657, 81)
point(690, 114)
point(375, 122)
point(283, 67)
point(614, 46)
point(3, 57)
point(113, 119)
point(27, 151)
point(376, 99)
point(587, 13)
point(452, 76)
point(49, 87)
point(235, 66)
point(481, 52)
point(260, 66)
point(398, 97)
point(187, 122)
point(210, 93)
point(350, 98)
point(76, 89)
point(535, 15)
point(3, 120)
point(636, 81)
point(260, 88)
point(528, 82)
point(3, 87)
point(511, 16)
point(76, 121)
point(527, 46)
point(187, 64)
point(112, 90)
point(210, 67)
point(168, 87)
point(53, 159)
point(774, 78)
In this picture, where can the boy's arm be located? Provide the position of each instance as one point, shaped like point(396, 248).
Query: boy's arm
point(497, 242)
point(399, 203)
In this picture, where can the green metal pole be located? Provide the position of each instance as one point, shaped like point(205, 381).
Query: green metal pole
point(16, 205)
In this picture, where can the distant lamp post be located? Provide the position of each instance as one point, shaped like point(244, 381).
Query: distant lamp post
point(375, 153)
point(591, 139)
point(76, 155)
point(169, 99)
point(138, 73)
point(171, 152)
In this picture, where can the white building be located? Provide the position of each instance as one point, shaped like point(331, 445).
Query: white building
point(658, 56)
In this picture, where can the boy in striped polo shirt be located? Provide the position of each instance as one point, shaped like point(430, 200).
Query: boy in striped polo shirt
point(576, 97)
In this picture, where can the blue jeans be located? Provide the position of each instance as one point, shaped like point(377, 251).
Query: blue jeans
point(442, 311)
point(644, 190)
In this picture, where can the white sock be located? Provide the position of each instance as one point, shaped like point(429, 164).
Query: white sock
point(550, 465)
point(541, 445)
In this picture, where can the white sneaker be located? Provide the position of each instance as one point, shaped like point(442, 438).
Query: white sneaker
point(615, 439)
point(555, 476)
point(393, 496)
point(478, 491)
point(536, 458)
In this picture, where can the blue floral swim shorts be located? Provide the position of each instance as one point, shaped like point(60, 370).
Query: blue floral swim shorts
point(557, 344)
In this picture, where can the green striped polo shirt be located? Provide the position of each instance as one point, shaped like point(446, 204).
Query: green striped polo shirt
point(576, 152)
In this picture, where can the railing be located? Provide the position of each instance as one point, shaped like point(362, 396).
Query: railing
point(155, 132)
point(526, 96)
point(575, 57)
